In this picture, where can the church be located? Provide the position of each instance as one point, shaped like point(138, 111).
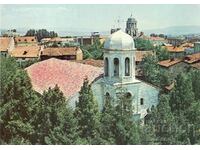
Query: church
point(117, 76)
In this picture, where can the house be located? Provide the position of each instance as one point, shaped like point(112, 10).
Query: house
point(6, 45)
point(157, 41)
point(177, 65)
point(175, 51)
point(176, 41)
point(197, 47)
point(26, 40)
point(66, 53)
point(173, 66)
point(140, 55)
point(24, 53)
point(85, 40)
point(118, 76)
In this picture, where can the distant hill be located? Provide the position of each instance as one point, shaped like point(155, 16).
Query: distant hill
point(175, 30)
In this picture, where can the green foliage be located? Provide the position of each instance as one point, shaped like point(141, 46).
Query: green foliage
point(144, 45)
point(41, 33)
point(161, 53)
point(151, 69)
point(94, 51)
point(87, 114)
point(183, 94)
point(16, 105)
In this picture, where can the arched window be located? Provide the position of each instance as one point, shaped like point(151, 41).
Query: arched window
point(141, 101)
point(106, 67)
point(116, 67)
point(127, 67)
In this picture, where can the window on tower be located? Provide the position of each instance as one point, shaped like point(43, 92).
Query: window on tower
point(116, 67)
point(141, 101)
point(127, 67)
point(106, 69)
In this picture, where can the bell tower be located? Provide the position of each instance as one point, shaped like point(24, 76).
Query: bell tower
point(131, 27)
point(119, 58)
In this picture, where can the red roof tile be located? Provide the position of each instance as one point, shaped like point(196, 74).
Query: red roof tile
point(169, 62)
point(67, 75)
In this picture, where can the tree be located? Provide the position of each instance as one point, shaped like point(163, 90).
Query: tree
point(150, 69)
point(66, 132)
point(182, 96)
point(165, 121)
point(161, 53)
point(126, 130)
point(17, 104)
point(87, 113)
point(143, 44)
point(41, 33)
point(93, 51)
point(195, 77)
point(49, 116)
point(108, 121)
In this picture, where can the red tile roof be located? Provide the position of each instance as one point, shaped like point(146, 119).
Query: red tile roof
point(4, 43)
point(59, 51)
point(175, 49)
point(192, 58)
point(96, 63)
point(25, 39)
point(139, 55)
point(26, 52)
point(67, 75)
point(169, 62)
point(196, 65)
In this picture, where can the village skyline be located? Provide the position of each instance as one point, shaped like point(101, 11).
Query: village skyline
point(78, 19)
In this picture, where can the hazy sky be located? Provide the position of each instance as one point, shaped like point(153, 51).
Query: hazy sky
point(97, 17)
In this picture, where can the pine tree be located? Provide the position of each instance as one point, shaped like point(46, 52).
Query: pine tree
point(87, 113)
point(126, 130)
point(182, 96)
point(17, 100)
point(165, 121)
point(108, 121)
point(52, 118)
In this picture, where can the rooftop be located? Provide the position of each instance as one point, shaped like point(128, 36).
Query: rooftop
point(4, 43)
point(26, 52)
point(68, 75)
point(196, 65)
point(59, 51)
point(25, 39)
point(192, 58)
point(169, 62)
point(92, 62)
point(119, 40)
point(175, 49)
point(139, 55)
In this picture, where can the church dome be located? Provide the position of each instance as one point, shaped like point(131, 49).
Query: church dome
point(119, 41)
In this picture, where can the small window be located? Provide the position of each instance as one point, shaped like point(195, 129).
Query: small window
point(127, 67)
point(106, 67)
point(19, 40)
point(128, 95)
point(25, 40)
point(141, 101)
point(107, 94)
point(32, 40)
point(116, 67)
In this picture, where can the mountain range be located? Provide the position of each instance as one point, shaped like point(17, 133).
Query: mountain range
point(173, 30)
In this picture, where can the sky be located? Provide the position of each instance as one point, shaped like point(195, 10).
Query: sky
point(97, 17)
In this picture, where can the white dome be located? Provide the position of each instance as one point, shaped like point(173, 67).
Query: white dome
point(119, 41)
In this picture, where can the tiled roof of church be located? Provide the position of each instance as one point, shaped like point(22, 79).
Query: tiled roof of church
point(67, 75)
